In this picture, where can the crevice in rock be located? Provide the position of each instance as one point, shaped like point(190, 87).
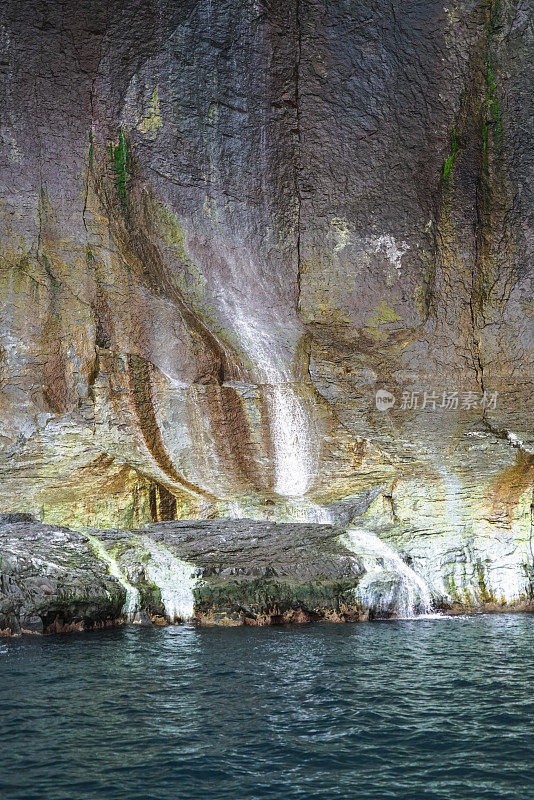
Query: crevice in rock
point(506, 435)
point(492, 206)
point(476, 161)
point(297, 164)
point(162, 503)
point(388, 496)
point(90, 158)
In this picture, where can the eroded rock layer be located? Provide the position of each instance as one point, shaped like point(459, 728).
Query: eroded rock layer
point(217, 572)
point(226, 226)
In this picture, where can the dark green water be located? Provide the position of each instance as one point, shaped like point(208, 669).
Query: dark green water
point(438, 709)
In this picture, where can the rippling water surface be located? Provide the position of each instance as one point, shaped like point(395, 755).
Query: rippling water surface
point(411, 709)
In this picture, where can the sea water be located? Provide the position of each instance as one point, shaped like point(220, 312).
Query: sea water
point(427, 709)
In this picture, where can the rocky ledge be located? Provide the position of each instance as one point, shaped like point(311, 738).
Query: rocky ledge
point(214, 572)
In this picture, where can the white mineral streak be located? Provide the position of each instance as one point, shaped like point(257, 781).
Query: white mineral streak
point(133, 598)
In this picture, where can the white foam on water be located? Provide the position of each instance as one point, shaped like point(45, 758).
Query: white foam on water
point(388, 582)
point(133, 597)
point(176, 580)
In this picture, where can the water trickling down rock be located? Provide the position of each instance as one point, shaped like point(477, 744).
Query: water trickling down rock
point(389, 584)
point(133, 598)
point(176, 580)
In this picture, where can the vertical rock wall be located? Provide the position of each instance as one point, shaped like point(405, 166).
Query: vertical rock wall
point(226, 226)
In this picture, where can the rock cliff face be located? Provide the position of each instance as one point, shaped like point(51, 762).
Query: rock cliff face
point(213, 572)
point(226, 226)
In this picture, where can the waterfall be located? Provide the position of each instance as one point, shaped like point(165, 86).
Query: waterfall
point(133, 598)
point(176, 580)
point(291, 440)
point(388, 585)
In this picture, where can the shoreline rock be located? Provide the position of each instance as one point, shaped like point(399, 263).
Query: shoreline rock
point(244, 573)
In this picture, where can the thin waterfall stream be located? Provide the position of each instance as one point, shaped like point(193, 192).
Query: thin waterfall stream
point(389, 584)
point(290, 442)
point(176, 579)
point(294, 451)
point(133, 597)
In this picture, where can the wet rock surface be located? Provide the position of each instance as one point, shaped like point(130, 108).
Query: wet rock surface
point(226, 226)
point(52, 579)
point(215, 572)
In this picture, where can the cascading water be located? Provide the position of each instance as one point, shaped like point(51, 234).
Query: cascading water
point(292, 445)
point(290, 442)
point(176, 580)
point(133, 597)
point(388, 585)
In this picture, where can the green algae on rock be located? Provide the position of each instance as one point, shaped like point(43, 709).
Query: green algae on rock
point(223, 572)
point(330, 200)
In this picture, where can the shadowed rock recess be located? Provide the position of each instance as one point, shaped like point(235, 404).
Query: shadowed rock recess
point(224, 227)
